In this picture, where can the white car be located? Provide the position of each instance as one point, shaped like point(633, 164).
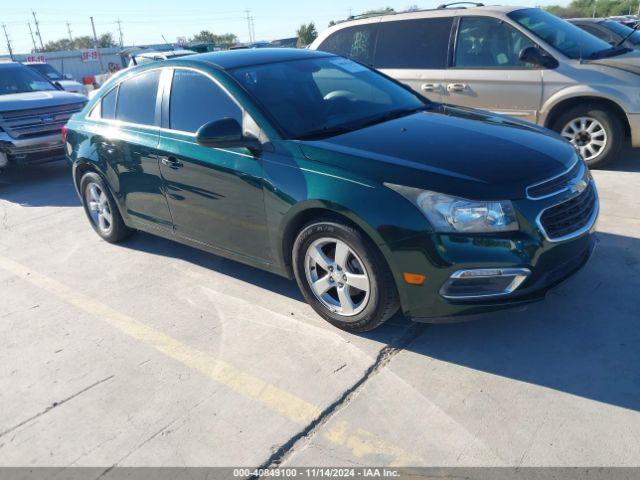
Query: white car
point(65, 81)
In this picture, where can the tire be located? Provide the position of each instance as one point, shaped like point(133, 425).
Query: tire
point(344, 305)
point(606, 127)
point(101, 209)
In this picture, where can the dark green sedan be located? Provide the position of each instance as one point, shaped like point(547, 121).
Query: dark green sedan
point(317, 168)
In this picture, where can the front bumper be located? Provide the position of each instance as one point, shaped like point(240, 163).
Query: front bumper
point(32, 150)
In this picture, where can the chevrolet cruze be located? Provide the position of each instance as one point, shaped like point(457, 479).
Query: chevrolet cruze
point(318, 168)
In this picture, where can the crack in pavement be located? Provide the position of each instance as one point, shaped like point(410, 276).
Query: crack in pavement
point(385, 355)
point(55, 404)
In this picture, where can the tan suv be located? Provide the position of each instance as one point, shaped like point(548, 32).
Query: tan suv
point(521, 62)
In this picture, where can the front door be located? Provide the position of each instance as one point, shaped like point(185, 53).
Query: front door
point(215, 195)
point(487, 72)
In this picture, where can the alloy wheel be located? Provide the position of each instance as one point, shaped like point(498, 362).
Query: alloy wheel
point(587, 134)
point(337, 276)
point(98, 207)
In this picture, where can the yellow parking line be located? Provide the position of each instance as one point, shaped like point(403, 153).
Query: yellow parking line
point(360, 442)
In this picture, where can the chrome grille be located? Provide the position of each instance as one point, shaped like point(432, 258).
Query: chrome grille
point(570, 217)
point(557, 184)
point(38, 121)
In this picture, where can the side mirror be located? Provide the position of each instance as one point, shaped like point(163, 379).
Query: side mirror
point(225, 133)
point(58, 85)
point(68, 76)
point(535, 56)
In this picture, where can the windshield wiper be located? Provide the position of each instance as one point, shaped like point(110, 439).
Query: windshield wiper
point(325, 132)
point(628, 35)
point(608, 52)
point(391, 115)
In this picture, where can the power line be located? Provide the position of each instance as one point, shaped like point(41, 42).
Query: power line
point(6, 35)
point(35, 19)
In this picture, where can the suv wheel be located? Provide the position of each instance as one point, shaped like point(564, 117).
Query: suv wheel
point(595, 131)
point(101, 209)
point(343, 276)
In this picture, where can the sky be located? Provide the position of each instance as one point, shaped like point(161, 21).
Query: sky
point(144, 22)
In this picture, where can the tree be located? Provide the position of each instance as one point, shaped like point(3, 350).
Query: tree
point(206, 36)
point(105, 40)
point(307, 33)
point(595, 8)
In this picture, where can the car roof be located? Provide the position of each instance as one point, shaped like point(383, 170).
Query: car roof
point(230, 59)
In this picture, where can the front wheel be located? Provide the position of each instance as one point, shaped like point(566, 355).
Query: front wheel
point(343, 276)
point(596, 132)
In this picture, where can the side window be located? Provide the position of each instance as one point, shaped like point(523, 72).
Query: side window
point(196, 100)
point(485, 42)
point(593, 30)
point(137, 99)
point(422, 43)
point(108, 105)
point(356, 43)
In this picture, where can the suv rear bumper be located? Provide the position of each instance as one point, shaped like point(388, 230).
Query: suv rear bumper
point(32, 150)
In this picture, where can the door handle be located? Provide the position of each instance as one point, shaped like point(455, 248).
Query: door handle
point(431, 87)
point(457, 87)
point(171, 162)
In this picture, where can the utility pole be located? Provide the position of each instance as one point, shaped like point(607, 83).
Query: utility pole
point(248, 17)
point(119, 22)
point(96, 46)
point(35, 19)
point(69, 30)
point(35, 47)
point(6, 35)
point(253, 30)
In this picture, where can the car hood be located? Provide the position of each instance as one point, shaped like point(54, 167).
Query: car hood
point(43, 99)
point(452, 150)
point(629, 62)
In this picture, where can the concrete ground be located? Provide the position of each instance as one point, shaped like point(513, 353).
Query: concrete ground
point(152, 353)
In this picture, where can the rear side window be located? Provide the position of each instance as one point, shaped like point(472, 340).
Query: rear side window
point(108, 105)
point(196, 100)
point(356, 43)
point(137, 99)
point(419, 44)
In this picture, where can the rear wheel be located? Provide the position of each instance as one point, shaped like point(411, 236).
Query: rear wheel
point(101, 209)
point(596, 132)
point(343, 276)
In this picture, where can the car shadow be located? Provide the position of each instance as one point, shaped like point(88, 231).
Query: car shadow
point(582, 340)
point(46, 185)
point(629, 161)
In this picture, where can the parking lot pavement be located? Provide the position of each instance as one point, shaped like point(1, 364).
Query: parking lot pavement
point(152, 353)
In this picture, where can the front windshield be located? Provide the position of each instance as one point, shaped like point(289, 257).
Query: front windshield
point(47, 70)
point(320, 97)
point(623, 31)
point(569, 39)
point(21, 80)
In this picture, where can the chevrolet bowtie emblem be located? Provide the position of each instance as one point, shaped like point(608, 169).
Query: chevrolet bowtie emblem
point(577, 186)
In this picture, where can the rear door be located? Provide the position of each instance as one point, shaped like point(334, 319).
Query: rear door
point(415, 52)
point(129, 145)
point(487, 73)
point(215, 195)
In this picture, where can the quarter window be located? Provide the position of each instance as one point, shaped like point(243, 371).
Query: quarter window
point(196, 100)
point(137, 99)
point(419, 44)
point(356, 43)
point(489, 43)
point(108, 105)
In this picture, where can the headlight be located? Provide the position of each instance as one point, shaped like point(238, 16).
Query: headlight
point(454, 214)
